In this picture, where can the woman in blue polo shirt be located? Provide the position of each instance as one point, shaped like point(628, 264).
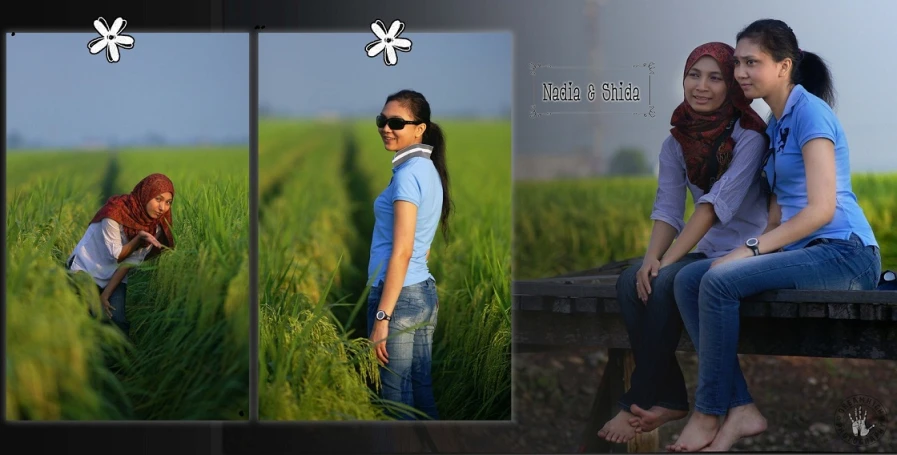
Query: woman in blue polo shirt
point(817, 237)
point(402, 304)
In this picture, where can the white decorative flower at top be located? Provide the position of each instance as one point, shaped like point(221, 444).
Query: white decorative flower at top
point(110, 39)
point(388, 41)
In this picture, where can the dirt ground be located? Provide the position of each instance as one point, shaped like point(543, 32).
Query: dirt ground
point(799, 397)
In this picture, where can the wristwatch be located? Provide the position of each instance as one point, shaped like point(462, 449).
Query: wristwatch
point(381, 315)
point(753, 244)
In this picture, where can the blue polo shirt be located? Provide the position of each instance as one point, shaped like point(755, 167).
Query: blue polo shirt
point(808, 117)
point(414, 180)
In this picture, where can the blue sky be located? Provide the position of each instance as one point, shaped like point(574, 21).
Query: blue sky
point(306, 74)
point(181, 86)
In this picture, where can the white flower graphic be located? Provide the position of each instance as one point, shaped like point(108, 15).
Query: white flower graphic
point(388, 41)
point(110, 39)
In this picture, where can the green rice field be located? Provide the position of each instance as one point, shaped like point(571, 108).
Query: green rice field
point(317, 184)
point(188, 356)
point(568, 225)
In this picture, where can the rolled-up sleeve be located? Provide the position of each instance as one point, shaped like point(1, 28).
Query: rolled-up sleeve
point(730, 190)
point(139, 255)
point(112, 237)
point(669, 202)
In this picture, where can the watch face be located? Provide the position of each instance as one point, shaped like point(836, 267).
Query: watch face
point(381, 315)
point(752, 242)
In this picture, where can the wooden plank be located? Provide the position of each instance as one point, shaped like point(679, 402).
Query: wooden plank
point(750, 308)
point(812, 337)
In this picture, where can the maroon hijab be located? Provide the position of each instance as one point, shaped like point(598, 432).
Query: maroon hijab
point(129, 210)
point(696, 132)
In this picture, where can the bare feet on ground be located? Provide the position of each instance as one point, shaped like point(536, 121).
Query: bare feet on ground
point(697, 434)
point(618, 429)
point(741, 422)
point(648, 420)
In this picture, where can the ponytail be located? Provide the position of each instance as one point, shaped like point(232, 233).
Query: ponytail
point(434, 137)
point(808, 69)
point(813, 74)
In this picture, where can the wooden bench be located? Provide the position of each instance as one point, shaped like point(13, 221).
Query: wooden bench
point(580, 309)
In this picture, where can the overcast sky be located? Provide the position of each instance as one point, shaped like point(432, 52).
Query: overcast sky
point(182, 86)
point(856, 38)
point(459, 73)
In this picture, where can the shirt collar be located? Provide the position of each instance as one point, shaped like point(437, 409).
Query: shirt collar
point(796, 94)
point(414, 150)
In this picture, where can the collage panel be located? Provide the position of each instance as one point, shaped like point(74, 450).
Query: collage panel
point(127, 226)
point(384, 214)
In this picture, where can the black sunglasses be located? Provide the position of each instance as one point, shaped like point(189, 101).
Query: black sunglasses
point(395, 123)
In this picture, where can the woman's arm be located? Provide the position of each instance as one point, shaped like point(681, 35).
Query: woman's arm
point(112, 239)
point(698, 225)
point(725, 197)
point(775, 214)
point(819, 162)
point(404, 224)
point(669, 202)
point(116, 279)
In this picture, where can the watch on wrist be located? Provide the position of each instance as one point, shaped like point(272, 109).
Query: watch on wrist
point(381, 315)
point(754, 245)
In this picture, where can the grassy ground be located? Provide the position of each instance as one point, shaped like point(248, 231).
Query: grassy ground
point(572, 225)
point(317, 185)
point(188, 357)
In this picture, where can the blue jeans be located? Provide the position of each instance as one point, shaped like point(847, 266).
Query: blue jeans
point(654, 330)
point(117, 300)
point(709, 301)
point(406, 379)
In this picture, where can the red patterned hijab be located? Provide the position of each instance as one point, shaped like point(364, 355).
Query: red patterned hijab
point(129, 210)
point(697, 131)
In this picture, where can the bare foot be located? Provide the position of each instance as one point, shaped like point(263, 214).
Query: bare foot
point(646, 421)
point(697, 434)
point(741, 422)
point(618, 429)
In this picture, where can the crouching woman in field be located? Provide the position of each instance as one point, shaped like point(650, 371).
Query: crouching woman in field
point(127, 230)
point(715, 150)
point(403, 304)
point(814, 217)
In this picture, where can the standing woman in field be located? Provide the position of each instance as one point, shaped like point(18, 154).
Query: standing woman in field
point(402, 304)
point(817, 238)
point(715, 150)
point(129, 229)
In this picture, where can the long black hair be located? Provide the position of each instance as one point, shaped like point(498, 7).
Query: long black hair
point(808, 70)
point(434, 137)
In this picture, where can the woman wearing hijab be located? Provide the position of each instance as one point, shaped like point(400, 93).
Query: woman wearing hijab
point(715, 150)
point(128, 229)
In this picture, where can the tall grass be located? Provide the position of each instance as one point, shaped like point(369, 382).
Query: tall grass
point(568, 225)
point(188, 356)
point(315, 237)
point(309, 369)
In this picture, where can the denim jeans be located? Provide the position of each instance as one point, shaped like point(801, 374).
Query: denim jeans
point(117, 300)
point(654, 331)
point(709, 301)
point(406, 378)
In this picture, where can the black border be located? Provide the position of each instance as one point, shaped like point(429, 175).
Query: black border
point(517, 16)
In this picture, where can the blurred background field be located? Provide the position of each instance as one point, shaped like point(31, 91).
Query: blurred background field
point(317, 193)
point(563, 226)
point(67, 151)
point(189, 353)
point(322, 164)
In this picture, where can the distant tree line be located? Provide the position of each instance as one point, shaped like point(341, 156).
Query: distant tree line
point(629, 161)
